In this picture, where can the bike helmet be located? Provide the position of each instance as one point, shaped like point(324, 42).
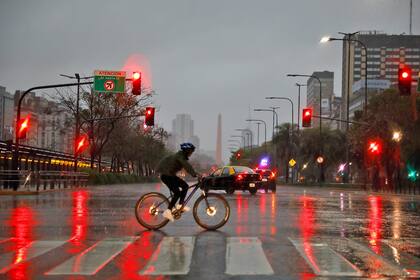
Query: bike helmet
point(187, 147)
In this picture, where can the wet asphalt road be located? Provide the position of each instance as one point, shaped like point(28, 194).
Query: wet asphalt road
point(297, 233)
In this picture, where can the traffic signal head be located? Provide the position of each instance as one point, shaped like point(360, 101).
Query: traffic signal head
point(374, 147)
point(23, 127)
point(238, 155)
point(307, 117)
point(404, 80)
point(81, 144)
point(136, 87)
point(150, 116)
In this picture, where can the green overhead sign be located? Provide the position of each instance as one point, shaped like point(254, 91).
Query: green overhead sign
point(109, 81)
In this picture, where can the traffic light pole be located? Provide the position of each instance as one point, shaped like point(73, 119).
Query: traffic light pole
point(15, 160)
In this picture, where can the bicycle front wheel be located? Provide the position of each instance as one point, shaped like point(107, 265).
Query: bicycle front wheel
point(211, 211)
point(149, 210)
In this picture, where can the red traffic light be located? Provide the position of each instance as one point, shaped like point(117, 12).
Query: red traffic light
point(404, 80)
point(150, 116)
point(238, 155)
point(307, 117)
point(81, 144)
point(374, 147)
point(23, 127)
point(136, 87)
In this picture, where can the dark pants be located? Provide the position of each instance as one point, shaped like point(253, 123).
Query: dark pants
point(174, 183)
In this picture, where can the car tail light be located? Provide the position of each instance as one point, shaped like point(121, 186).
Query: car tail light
point(239, 177)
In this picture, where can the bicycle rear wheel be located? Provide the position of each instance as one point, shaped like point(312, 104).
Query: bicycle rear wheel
point(149, 210)
point(211, 211)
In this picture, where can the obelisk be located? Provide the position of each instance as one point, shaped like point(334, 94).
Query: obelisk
point(219, 141)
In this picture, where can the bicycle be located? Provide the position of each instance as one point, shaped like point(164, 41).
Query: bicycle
point(211, 210)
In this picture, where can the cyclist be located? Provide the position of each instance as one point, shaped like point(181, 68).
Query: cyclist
point(168, 167)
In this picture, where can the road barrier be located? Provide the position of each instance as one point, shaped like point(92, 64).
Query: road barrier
point(26, 180)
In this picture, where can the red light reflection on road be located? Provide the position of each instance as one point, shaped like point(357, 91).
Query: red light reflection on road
point(79, 217)
point(135, 258)
point(307, 227)
point(273, 215)
point(375, 223)
point(242, 214)
point(22, 222)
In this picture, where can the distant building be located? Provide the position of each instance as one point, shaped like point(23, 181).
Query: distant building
point(51, 126)
point(6, 115)
point(385, 55)
point(312, 94)
point(183, 131)
point(358, 93)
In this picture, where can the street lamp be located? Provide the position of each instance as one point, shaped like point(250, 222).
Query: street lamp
point(397, 136)
point(273, 110)
point(249, 132)
point(291, 103)
point(265, 129)
point(299, 86)
point(321, 172)
point(348, 39)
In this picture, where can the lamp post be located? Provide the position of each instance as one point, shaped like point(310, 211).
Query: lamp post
point(291, 103)
point(290, 134)
point(77, 132)
point(321, 171)
point(265, 129)
point(274, 116)
point(249, 132)
point(298, 115)
point(350, 39)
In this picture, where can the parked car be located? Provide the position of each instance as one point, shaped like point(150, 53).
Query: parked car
point(232, 178)
point(268, 179)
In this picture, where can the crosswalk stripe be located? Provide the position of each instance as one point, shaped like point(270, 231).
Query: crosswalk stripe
point(93, 259)
point(172, 257)
point(25, 253)
point(395, 251)
point(245, 256)
point(323, 260)
point(382, 265)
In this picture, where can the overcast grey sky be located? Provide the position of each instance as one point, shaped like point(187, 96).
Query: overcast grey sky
point(201, 57)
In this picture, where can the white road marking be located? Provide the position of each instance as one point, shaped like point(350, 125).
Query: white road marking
point(93, 259)
point(323, 260)
point(245, 256)
point(30, 251)
point(172, 257)
point(381, 265)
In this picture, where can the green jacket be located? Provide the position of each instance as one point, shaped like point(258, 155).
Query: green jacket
point(172, 164)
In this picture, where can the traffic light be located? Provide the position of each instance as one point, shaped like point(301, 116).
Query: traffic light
point(307, 117)
point(374, 147)
point(238, 155)
point(404, 80)
point(23, 127)
point(136, 88)
point(81, 144)
point(150, 116)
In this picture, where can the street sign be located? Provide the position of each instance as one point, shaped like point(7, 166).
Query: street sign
point(109, 81)
point(292, 162)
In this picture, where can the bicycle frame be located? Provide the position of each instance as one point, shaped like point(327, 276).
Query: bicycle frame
point(195, 187)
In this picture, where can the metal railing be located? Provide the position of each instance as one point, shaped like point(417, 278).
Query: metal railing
point(26, 180)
